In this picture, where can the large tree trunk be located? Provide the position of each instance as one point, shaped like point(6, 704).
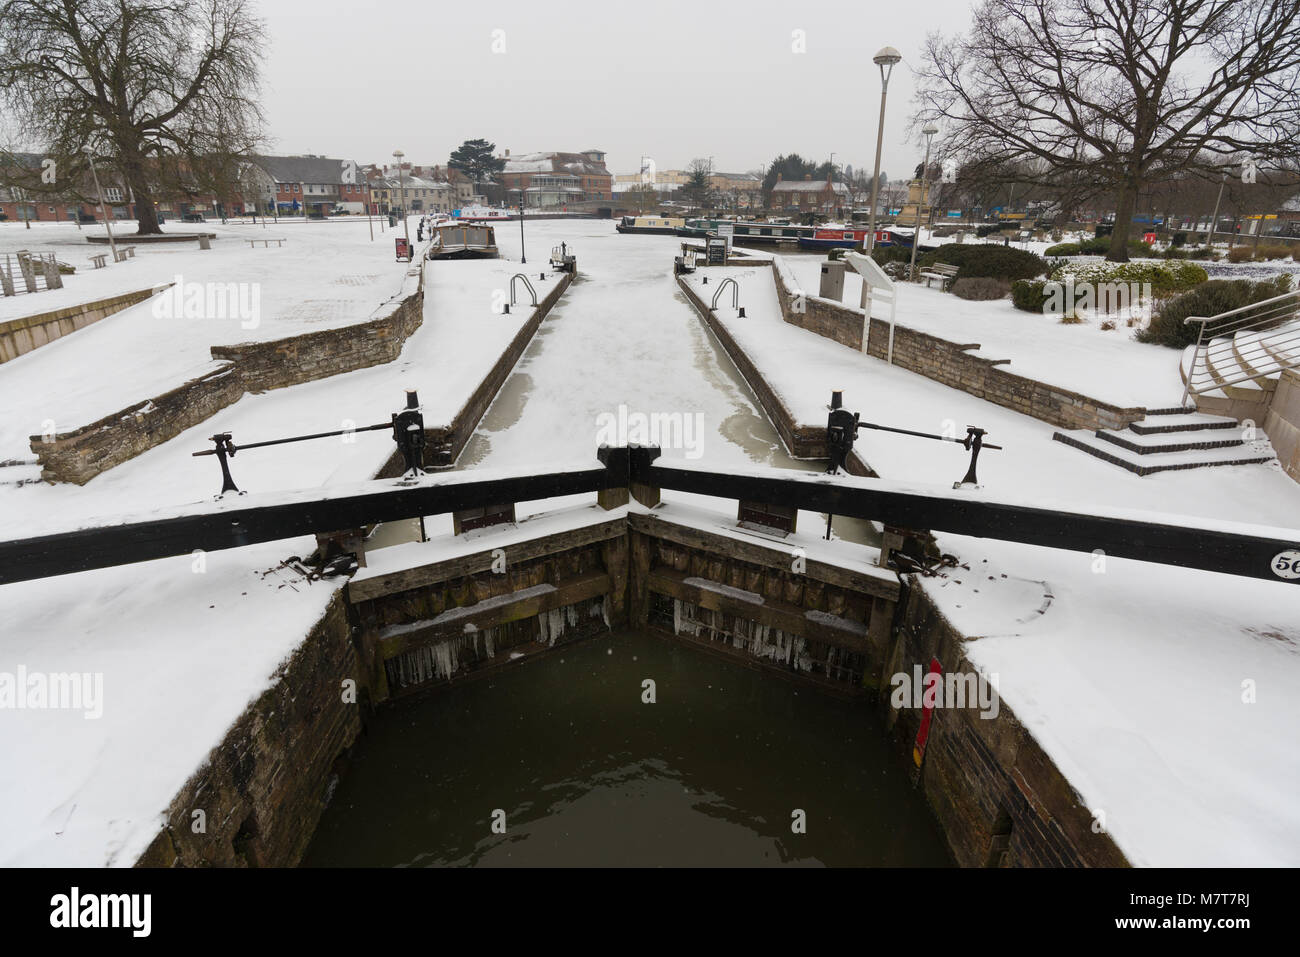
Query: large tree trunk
point(146, 211)
point(1125, 202)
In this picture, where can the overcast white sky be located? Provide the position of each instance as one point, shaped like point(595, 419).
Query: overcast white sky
point(673, 79)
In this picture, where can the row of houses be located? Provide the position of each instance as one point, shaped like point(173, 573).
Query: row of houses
point(315, 186)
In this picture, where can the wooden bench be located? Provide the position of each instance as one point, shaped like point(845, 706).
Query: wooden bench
point(99, 260)
point(252, 243)
point(125, 253)
point(942, 272)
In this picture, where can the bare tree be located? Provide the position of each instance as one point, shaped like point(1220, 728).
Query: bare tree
point(1112, 94)
point(152, 85)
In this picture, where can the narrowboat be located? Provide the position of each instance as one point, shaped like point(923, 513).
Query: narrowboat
point(901, 237)
point(650, 225)
point(764, 234)
point(835, 236)
point(464, 241)
point(480, 214)
point(702, 228)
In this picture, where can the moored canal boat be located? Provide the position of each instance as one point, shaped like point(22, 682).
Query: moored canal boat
point(650, 225)
point(835, 236)
point(464, 241)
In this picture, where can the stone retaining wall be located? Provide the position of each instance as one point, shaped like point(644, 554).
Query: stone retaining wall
point(81, 454)
point(467, 419)
point(20, 336)
point(952, 364)
point(263, 789)
point(1282, 423)
point(826, 317)
point(1000, 799)
point(801, 440)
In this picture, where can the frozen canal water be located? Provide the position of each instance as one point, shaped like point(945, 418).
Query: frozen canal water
point(623, 334)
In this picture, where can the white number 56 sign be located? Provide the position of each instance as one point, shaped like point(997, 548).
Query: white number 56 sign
point(1287, 564)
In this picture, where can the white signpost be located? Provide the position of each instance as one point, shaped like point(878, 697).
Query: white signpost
point(874, 284)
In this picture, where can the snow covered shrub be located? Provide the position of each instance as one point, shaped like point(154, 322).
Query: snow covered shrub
point(987, 260)
point(1272, 251)
point(1168, 327)
point(1063, 249)
point(980, 288)
point(1163, 277)
point(1178, 239)
point(1239, 254)
point(1100, 246)
point(1108, 325)
point(1028, 294)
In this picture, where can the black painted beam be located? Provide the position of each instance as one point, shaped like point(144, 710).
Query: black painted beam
point(1230, 552)
point(217, 526)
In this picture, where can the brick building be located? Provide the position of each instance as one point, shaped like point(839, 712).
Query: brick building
point(310, 184)
point(556, 179)
point(810, 196)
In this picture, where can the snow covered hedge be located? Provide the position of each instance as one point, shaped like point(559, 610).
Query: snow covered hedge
point(1168, 326)
point(987, 260)
point(1165, 277)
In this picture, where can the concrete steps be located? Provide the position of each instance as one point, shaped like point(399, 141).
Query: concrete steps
point(1172, 440)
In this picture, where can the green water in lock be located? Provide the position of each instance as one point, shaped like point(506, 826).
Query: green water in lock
point(713, 773)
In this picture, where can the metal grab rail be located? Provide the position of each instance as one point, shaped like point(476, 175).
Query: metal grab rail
point(735, 294)
point(1216, 340)
point(531, 290)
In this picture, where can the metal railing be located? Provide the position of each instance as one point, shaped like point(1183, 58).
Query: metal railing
point(1224, 356)
point(735, 294)
point(28, 272)
point(528, 285)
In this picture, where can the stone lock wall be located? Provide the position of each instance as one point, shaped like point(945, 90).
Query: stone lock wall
point(802, 440)
point(79, 455)
point(952, 364)
point(20, 336)
point(1000, 799)
point(263, 789)
point(827, 318)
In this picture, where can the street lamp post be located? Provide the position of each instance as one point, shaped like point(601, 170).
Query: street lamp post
point(832, 198)
point(523, 258)
point(885, 59)
point(112, 246)
point(922, 200)
point(401, 182)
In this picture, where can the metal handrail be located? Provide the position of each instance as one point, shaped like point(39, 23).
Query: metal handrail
point(735, 294)
point(1216, 339)
point(533, 291)
point(1255, 305)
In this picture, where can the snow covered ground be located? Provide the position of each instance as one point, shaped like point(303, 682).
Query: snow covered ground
point(177, 671)
point(327, 274)
point(182, 652)
point(1105, 364)
point(1132, 678)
